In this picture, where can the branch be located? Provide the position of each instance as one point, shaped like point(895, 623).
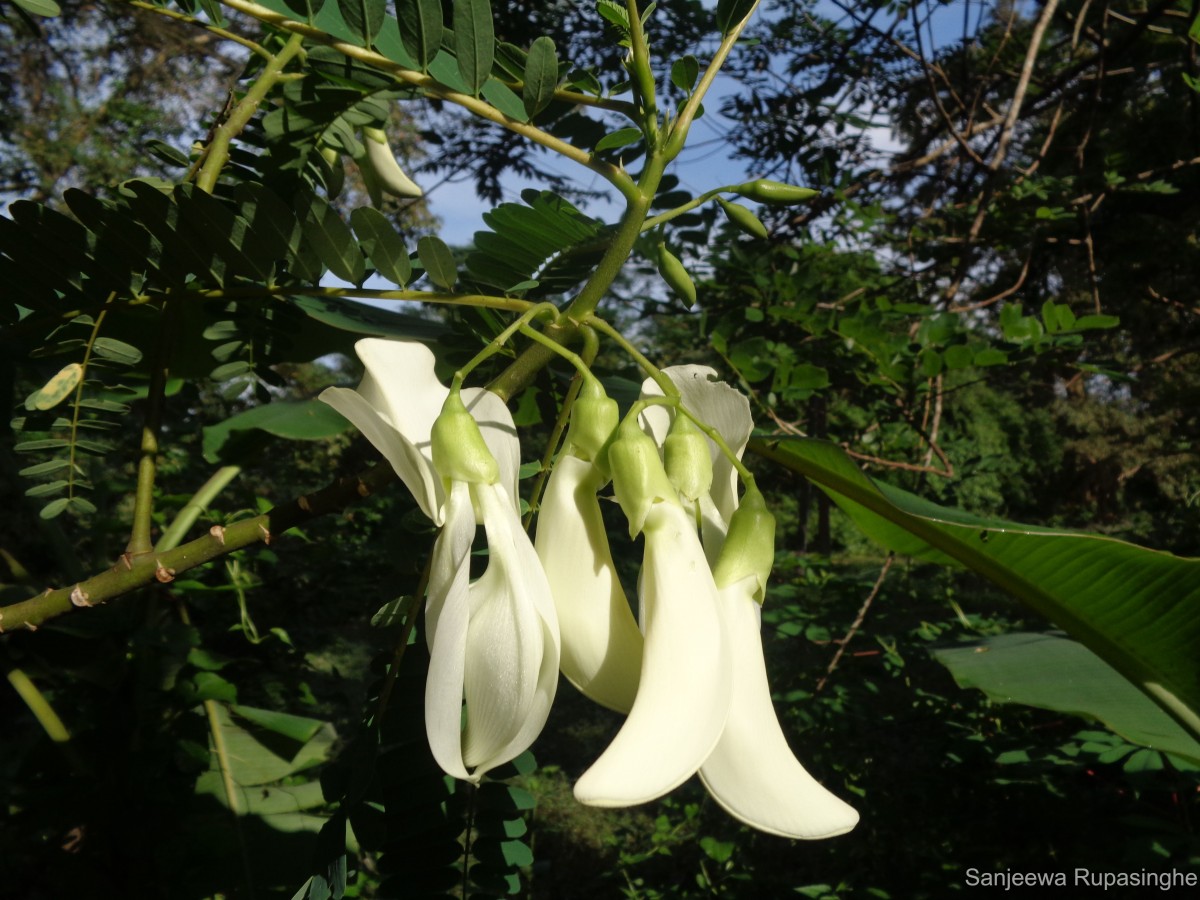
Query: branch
point(134, 571)
point(615, 176)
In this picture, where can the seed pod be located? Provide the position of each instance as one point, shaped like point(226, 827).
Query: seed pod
point(741, 217)
point(389, 176)
point(765, 191)
point(675, 275)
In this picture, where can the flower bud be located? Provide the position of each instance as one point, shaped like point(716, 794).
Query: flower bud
point(459, 451)
point(766, 191)
point(743, 218)
point(676, 276)
point(688, 462)
point(639, 479)
point(594, 418)
point(749, 547)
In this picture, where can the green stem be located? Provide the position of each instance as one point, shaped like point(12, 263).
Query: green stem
point(143, 501)
point(643, 74)
point(590, 348)
point(512, 304)
point(217, 152)
point(132, 572)
point(655, 221)
point(208, 26)
point(39, 706)
point(497, 343)
point(199, 503)
point(683, 122)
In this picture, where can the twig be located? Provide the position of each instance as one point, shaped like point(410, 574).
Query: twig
point(856, 624)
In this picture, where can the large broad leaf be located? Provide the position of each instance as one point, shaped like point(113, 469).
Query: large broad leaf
point(1138, 609)
point(474, 41)
point(306, 420)
point(1051, 672)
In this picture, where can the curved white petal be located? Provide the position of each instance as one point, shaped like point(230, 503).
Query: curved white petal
point(401, 383)
point(499, 433)
point(512, 654)
point(683, 696)
point(717, 404)
point(447, 619)
point(413, 467)
point(751, 772)
point(601, 643)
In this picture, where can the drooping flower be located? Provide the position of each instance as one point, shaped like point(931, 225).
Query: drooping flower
point(494, 642)
point(752, 773)
point(685, 686)
point(601, 643)
point(749, 770)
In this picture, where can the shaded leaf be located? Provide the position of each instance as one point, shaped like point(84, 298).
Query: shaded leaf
point(382, 244)
point(474, 41)
point(1051, 672)
point(541, 76)
point(438, 261)
point(420, 24)
point(363, 17)
point(306, 420)
point(330, 237)
point(1138, 609)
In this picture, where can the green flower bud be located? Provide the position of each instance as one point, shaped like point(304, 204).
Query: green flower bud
point(639, 479)
point(594, 418)
point(459, 451)
point(749, 547)
point(741, 217)
point(766, 191)
point(675, 275)
point(688, 462)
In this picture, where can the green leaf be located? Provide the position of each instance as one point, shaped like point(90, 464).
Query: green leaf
point(1084, 323)
point(474, 41)
point(46, 8)
point(420, 28)
point(731, 12)
point(363, 17)
point(45, 490)
point(330, 237)
point(300, 729)
point(438, 261)
point(117, 351)
point(307, 9)
point(55, 508)
point(45, 468)
point(382, 244)
point(1051, 672)
point(622, 137)
point(304, 420)
point(541, 76)
point(1138, 609)
point(684, 72)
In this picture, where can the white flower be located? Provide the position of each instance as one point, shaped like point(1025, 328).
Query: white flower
point(749, 770)
point(495, 642)
point(683, 694)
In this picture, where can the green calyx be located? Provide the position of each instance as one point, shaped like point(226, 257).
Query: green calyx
point(765, 191)
point(743, 218)
point(639, 479)
point(749, 547)
point(676, 276)
point(594, 418)
point(688, 462)
point(459, 451)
